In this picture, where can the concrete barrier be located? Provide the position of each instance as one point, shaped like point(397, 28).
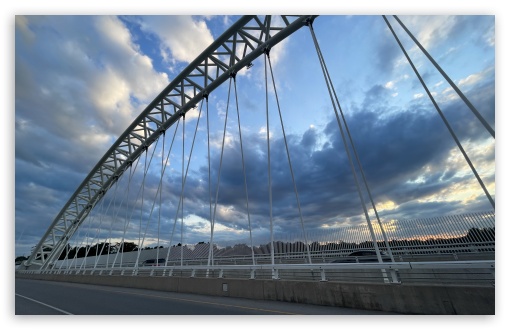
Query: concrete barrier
point(399, 298)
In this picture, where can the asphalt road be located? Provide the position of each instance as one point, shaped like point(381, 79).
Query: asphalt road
point(36, 297)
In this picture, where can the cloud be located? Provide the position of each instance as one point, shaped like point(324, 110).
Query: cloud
point(389, 85)
point(325, 184)
point(430, 30)
point(182, 38)
point(98, 75)
point(80, 81)
point(406, 158)
point(388, 52)
point(471, 79)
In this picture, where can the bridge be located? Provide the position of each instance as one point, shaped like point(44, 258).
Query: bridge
point(173, 177)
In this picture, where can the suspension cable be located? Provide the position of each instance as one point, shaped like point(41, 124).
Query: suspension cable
point(209, 258)
point(175, 221)
point(100, 224)
point(130, 216)
point(141, 189)
point(146, 169)
point(330, 88)
point(269, 168)
point(163, 166)
point(141, 206)
point(244, 171)
point(126, 220)
point(182, 190)
point(288, 158)
point(159, 190)
point(79, 243)
point(115, 217)
point(211, 254)
point(462, 96)
point(355, 152)
point(74, 259)
point(68, 246)
point(87, 246)
point(459, 145)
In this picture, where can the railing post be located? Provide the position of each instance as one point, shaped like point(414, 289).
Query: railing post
point(395, 278)
point(323, 275)
point(276, 275)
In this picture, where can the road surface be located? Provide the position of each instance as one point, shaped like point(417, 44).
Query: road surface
point(37, 297)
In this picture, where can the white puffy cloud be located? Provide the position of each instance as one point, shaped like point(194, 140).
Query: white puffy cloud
point(80, 81)
point(92, 72)
point(182, 38)
point(389, 85)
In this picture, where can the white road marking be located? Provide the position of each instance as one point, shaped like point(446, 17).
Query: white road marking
point(52, 307)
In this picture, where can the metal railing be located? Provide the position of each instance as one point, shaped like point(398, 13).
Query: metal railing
point(477, 272)
point(452, 249)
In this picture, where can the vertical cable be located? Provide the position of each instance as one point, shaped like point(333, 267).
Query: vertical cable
point(288, 158)
point(244, 171)
point(181, 198)
point(269, 170)
point(163, 165)
point(175, 223)
point(121, 247)
point(211, 250)
point(99, 229)
point(160, 187)
point(146, 169)
point(87, 246)
point(219, 172)
point(141, 207)
point(331, 91)
point(182, 189)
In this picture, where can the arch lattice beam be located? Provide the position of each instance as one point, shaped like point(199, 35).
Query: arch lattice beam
point(235, 49)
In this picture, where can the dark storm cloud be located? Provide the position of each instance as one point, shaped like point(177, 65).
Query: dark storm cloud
point(482, 96)
point(394, 150)
point(375, 97)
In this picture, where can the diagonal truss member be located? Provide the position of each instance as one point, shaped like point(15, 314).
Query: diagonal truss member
point(235, 49)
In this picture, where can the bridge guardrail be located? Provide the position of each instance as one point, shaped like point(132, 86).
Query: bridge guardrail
point(479, 272)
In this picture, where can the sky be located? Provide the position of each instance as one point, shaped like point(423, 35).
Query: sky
point(75, 84)
point(81, 80)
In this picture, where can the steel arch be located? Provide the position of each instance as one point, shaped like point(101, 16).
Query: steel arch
point(236, 48)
